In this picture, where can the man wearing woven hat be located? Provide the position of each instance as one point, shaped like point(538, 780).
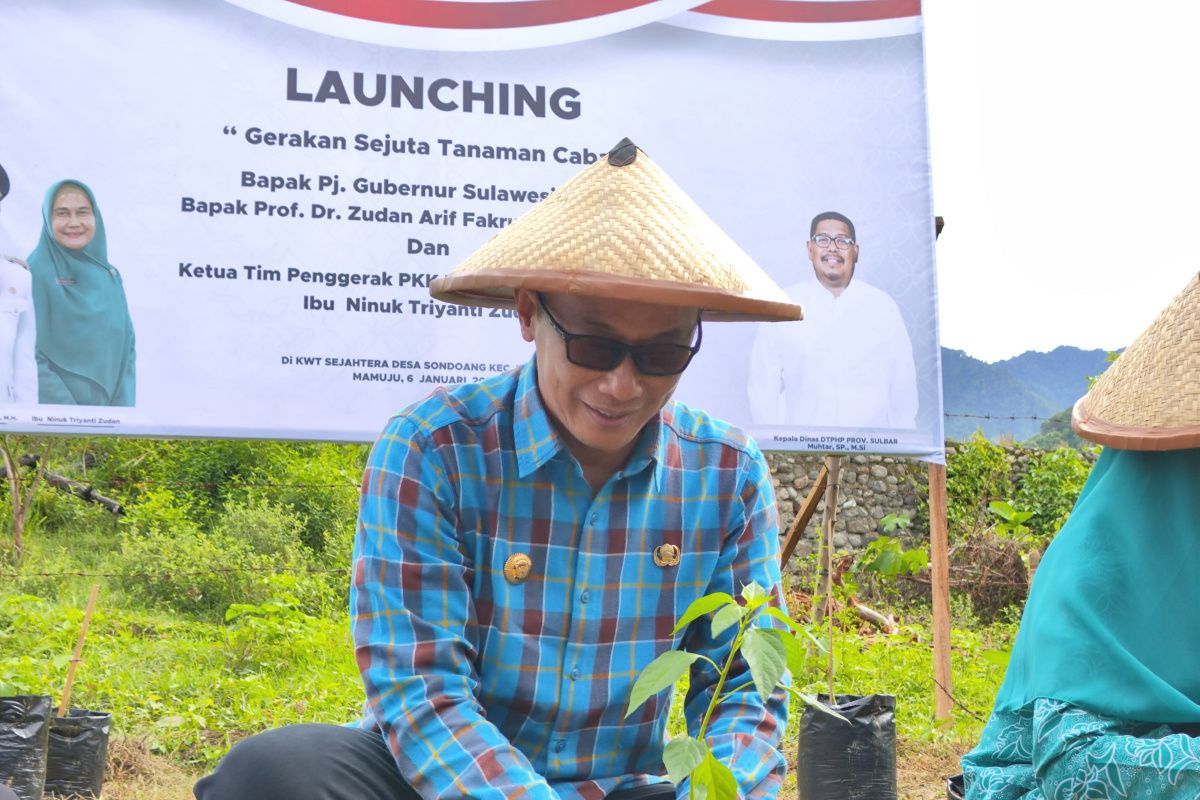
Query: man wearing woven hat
point(1102, 694)
point(526, 544)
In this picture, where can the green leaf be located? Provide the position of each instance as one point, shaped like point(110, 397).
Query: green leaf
point(812, 702)
point(886, 563)
point(701, 606)
point(796, 626)
point(682, 756)
point(754, 595)
point(752, 591)
point(661, 673)
point(729, 615)
point(716, 778)
point(795, 651)
point(913, 561)
point(785, 619)
point(1001, 509)
point(767, 658)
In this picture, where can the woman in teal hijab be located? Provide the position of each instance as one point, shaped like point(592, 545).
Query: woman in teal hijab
point(85, 342)
point(1102, 694)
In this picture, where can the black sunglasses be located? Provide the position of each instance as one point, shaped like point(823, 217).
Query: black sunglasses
point(603, 354)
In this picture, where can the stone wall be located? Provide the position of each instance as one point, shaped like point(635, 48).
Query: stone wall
point(870, 488)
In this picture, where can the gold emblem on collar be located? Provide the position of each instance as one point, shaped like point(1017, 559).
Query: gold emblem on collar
point(516, 568)
point(666, 555)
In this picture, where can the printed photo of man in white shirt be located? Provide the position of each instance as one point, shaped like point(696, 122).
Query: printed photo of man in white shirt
point(849, 363)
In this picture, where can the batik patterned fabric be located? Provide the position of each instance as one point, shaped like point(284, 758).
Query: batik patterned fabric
point(1052, 750)
point(489, 686)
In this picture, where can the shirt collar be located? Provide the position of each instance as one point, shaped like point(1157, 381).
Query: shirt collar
point(533, 433)
point(652, 447)
point(537, 442)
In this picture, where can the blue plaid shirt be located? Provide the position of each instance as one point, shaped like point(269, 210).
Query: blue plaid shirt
point(487, 688)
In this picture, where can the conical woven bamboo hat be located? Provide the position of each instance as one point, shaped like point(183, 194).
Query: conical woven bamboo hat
point(1149, 399)
point(622, 229)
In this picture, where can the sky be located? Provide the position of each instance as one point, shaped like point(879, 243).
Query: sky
point(1066, 163)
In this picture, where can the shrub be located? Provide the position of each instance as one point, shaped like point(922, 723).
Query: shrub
point(158, 510)
point(976, 474)
point(167, 560)
point(321, 488)
point(265, 529)
point(59, 511)
point(1050, 489)
point(293, 576)
point(209, 473)
point(189, 571)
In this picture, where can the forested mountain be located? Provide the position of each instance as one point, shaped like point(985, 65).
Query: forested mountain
point(1060, 375)
point(1030, 385)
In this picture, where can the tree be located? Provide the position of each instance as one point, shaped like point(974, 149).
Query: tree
point(24, 473)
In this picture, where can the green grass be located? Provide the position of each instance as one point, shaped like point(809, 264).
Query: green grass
point(190, 686)
point(901, 664)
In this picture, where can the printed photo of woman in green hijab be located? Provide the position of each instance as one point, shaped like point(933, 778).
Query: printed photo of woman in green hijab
point(85, 342)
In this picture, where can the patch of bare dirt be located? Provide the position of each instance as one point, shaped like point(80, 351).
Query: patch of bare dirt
point(922, 768)
point(134, 773)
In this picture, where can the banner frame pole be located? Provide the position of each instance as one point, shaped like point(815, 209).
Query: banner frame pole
point(939, 570)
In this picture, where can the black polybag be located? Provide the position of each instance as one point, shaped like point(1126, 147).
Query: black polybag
point(76, 753)
point(954, 788)
point(849, 760)
point(24, 728)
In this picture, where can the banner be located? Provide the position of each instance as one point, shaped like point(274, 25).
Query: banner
point(273, 184)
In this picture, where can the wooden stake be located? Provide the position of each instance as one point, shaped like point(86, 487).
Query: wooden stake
point(834, 465)
point(939, 573)
point(65, 705)
point(800, 521)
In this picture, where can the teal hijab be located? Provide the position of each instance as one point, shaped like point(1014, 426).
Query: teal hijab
point(1112, 624)
point(85, 343)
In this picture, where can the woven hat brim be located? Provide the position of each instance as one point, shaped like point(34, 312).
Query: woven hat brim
point(1125, 437)
point(620, 219)
point(494, 289)
point(1150, 398)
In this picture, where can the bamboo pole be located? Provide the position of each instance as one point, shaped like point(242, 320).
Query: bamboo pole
point(65, 705)
point(833, 464)
point(939, 569)
point(796, 531)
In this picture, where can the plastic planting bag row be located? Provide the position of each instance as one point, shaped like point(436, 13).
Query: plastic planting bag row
point(24, 732)
point(45, 756)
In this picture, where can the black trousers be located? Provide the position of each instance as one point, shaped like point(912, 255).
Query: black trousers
point(329, 762)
